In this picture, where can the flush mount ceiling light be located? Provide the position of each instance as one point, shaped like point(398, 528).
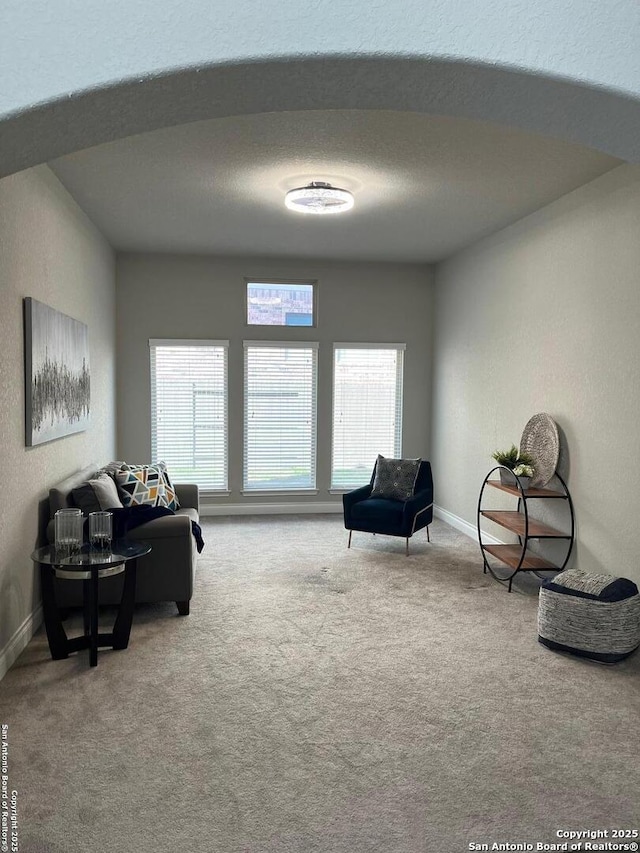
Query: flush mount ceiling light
point(319, 197)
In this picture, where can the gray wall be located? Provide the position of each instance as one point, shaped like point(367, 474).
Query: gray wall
point(544, 317)
point(52, 252)
point(165, 296)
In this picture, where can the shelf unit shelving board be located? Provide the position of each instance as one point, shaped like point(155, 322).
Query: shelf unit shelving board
point(529, 493)
point(510, 555)
point(515, 522)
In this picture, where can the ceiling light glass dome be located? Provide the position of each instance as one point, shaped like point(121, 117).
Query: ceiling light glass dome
point(319, 197)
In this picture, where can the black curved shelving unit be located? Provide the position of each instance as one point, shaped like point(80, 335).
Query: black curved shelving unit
point(517, 558)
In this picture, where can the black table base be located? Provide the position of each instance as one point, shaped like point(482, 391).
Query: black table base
point(62, 646)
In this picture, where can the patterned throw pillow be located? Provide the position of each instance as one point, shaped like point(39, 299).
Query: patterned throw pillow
point(395, 478)
point(170, 492)
point(146, 484)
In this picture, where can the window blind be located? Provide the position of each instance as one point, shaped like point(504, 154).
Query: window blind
point(367, 410)
point(279, 415)
point(189, 410)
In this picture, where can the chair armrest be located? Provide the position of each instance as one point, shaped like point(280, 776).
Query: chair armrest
point(417, 502)
point(351, 498)
point(188, 495)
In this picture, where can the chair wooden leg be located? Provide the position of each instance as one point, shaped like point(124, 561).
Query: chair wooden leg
point(406, 552)
point(428, 537)
point(349, 543)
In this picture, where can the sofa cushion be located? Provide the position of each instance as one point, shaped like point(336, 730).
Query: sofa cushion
point(395, 478)
point(96, 494)
point(146, 484)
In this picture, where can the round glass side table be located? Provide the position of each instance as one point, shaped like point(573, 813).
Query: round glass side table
point(89, 566)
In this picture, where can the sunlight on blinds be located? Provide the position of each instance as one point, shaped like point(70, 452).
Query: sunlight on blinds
point(367, 410)
point(189, 410)
point(280, 416)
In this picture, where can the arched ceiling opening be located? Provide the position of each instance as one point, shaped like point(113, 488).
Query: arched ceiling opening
point(568, 110)
point(79, 76)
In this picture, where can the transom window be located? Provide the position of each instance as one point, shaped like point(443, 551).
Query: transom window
point(280, 303)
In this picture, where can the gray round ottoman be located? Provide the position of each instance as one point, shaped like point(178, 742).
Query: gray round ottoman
point(594, 616)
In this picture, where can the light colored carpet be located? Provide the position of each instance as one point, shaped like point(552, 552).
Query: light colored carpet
point(326, 700)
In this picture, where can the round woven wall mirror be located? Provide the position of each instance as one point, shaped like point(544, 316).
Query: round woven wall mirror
point(541, 441)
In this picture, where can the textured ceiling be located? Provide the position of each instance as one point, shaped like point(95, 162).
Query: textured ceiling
point(424, 186)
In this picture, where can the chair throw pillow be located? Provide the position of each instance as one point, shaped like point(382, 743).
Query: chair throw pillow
point(97, 494)
point(395, 478)
point(146, 485)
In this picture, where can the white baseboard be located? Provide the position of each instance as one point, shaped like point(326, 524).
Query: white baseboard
point(270, 509)
point(463, 526)
point(335, 507)
point(18, 643)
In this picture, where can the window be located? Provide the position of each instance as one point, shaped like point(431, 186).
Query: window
point(280, 303)
point(189, 410)
point(367, 409)
point(280, 415)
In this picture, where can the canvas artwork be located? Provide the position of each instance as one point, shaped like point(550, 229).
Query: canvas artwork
point(57, 392)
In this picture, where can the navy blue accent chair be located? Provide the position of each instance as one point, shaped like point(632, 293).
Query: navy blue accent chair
point(390, 517)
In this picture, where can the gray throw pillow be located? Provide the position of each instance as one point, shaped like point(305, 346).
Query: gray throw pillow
point(97, 494)
point(85, 498)
point(395, 478)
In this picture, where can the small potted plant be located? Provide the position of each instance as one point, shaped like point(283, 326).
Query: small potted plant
point(519, 465)
point(523, 473)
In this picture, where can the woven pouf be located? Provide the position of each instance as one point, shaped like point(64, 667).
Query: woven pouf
point(594, 616)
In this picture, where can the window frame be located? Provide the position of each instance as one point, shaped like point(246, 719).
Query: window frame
point(154, 344)
point(400, 349)
point(275, 281)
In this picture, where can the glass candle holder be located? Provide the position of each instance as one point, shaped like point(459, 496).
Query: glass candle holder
point(68, 531)
point(100, 531)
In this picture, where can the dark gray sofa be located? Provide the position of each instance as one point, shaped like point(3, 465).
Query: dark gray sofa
point(166, 574)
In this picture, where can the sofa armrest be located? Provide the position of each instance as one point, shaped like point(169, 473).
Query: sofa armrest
point(188, 495)
point(166, 527)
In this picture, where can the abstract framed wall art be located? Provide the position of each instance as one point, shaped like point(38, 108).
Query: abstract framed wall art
point(57, 377)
